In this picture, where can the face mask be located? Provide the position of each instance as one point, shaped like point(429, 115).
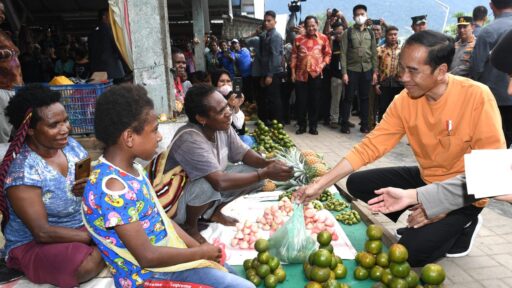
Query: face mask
point(361, 19)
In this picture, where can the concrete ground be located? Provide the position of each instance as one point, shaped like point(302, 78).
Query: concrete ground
point(490, 262)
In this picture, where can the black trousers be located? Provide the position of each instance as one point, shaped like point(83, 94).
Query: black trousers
point(506, 121)
point(360, 82)
point(286, 93)
point(308, 101)
point(271, 101)
point(428, 243)
point(325, 102)
point(388, 93)
point(247, 89)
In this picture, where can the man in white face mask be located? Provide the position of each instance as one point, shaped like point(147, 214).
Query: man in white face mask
point(358, 62)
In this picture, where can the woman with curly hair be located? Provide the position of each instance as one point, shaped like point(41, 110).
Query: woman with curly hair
point(41, 217)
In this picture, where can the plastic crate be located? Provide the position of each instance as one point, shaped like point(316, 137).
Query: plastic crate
point(79, 100)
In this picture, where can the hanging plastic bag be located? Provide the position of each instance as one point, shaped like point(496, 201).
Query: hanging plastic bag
point(292, 243)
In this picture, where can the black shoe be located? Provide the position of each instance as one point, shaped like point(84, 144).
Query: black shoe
point(364, 129)
point(351, 125)
point(345, 129)
point(464, 242)
point(313, 131)
point(301, 130)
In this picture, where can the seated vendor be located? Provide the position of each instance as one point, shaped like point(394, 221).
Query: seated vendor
point(206, 147)
point(140, 244)
point(44, 234)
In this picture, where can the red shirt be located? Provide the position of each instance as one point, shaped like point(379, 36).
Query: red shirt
point(309, 55)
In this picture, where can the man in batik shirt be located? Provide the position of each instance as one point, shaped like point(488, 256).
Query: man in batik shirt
point(310, 54)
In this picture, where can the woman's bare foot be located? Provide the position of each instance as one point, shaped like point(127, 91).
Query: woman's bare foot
point(223, 219)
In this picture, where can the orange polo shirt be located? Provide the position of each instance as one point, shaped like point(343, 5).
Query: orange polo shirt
point(475, 120)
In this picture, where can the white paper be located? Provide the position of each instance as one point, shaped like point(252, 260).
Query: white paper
point(489, 172)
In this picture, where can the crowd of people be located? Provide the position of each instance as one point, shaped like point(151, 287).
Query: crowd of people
point(448, 97)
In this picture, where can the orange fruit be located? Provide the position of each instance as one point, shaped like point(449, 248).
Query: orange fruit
point(280, 275)
point(382, 259)
point(340, 271)
point(374, 232)
point(263, 270)
point(261, 245)
point(398, 253)
point(376, 273)
point(412, 279)
point(312, 284)
point(373, 246)
point(270, 281)
point(247, 264)
point(360, 273)
point(263, 257)
point(400, 270)
point(307, 270)
point(319, 274)
point(273, 263)
point(331, 283)
point(255, 264)
point(433, 274)
point(386, 277)
point(255, 280)
point(328, 248)
point(324, 238)
point(250, 272)
point(366, 260)
point(322, 258)
point(398, 283)
point(311, 258)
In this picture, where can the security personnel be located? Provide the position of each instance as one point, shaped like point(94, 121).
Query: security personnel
point(419, 23)
point(464, 47)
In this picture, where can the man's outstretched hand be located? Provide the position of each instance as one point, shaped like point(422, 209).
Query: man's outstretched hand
point(392, 199)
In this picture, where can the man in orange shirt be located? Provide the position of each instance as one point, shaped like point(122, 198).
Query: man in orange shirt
point(310, 54)
point(444, 117)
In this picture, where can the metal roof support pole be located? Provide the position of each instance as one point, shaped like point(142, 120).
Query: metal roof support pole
point(151, 51)
point(198, 27)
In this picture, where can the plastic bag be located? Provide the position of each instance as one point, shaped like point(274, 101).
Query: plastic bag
point(292, 243)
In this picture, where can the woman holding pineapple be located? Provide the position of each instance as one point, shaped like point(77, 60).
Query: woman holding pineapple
point(207, 148)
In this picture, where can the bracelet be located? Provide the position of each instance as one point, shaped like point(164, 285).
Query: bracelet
point(259, 175)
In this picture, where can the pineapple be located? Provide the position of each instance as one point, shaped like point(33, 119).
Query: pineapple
point(317, 170)
point(312, 160)
point(308, 153)
point(269, 186)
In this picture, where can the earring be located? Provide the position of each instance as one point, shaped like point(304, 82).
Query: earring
point(204, 123)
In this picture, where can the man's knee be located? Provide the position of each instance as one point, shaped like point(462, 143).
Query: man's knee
point(354, 183)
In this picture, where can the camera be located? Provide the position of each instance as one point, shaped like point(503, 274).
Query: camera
point(294, 6)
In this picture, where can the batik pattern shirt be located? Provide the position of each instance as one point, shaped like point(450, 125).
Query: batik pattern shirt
point(61, 205)
point(105, 209)
point(388, 64)
point(309, 55)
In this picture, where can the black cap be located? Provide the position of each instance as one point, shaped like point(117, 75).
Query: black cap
point(419, 19)
point(501, 57)
point(464, 20)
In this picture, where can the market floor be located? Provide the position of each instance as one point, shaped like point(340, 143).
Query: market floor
point(490, 262)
